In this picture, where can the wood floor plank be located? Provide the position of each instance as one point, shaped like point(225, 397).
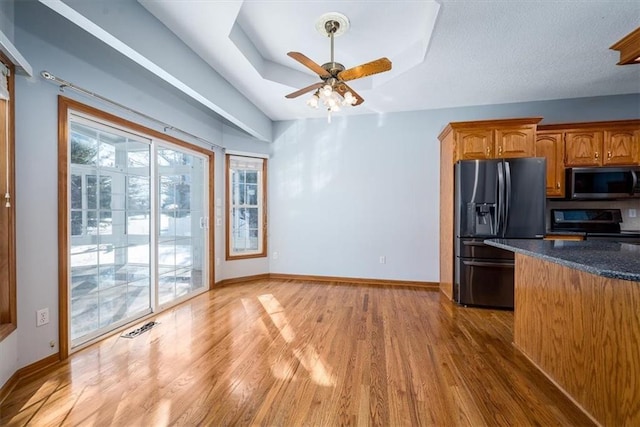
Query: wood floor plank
point(286, 352)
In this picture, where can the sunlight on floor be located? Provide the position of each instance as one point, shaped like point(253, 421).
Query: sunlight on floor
point(276, 312)
point(306, 354)
point(161, 417)
point(43, 392)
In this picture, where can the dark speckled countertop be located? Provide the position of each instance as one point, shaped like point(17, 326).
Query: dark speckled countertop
point(607, 259)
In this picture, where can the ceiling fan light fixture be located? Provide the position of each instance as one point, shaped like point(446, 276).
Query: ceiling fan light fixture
point(349, 99)
point(313, 101)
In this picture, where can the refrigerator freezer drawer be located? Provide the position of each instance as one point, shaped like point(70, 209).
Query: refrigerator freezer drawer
point(483, 282)
point(476, 248)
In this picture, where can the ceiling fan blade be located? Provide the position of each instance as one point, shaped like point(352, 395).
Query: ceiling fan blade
point(342, 88)
point(309, 64)
point(364, 70)
point(304, 90)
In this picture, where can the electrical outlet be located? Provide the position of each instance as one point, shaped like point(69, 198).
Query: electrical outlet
point(217, 261)
point(632, 213)
point(383, 259)
point(42, 317)
point(275, 255)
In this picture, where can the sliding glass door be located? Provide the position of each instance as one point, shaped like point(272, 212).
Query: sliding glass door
point(138, 220)
point(110, 201)
point(182, 221)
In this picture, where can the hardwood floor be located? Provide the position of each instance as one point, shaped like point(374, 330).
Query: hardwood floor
point(286, 353)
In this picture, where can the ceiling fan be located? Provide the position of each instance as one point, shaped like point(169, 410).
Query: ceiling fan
point(333, 74)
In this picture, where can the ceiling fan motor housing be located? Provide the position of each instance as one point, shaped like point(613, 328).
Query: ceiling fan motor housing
point(333, 68)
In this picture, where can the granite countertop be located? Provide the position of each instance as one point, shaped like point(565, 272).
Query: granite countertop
point(607, 259)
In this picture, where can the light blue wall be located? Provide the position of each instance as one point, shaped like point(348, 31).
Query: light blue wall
point(6, 18)
point(346, 193)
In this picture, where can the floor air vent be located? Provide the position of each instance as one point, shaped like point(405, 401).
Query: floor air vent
point(142, 329)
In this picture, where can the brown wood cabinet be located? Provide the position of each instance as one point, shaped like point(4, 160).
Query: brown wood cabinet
point(494, 139)
point(550, 144)
point(595, 144)
point(621, 147)
point(486, 139)
point(475, 144)
point(513, 142)
point(583, 148)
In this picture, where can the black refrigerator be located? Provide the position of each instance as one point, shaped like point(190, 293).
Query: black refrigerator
point(501, 198)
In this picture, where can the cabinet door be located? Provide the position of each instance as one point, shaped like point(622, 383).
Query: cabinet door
point(620, 147)
point(475, 144)
point(515, 142)
point(551, 146)
point(583, 148)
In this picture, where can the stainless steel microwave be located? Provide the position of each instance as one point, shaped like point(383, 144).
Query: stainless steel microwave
point(603, 183)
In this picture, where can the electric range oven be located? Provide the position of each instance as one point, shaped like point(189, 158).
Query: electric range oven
point(593, 224)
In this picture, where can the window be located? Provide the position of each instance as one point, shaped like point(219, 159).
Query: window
point(246, 213)
point(7, 206)
point(134, 222)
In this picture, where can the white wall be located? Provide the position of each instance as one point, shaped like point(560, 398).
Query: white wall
point(346, 193)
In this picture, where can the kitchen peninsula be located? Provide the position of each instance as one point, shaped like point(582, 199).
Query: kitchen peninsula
point(577, 318)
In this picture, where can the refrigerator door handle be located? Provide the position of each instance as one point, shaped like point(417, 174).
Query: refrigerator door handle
point(466, 243)
point(500, 199)
point(634, 183)
point(507, 196)
point(489, 264)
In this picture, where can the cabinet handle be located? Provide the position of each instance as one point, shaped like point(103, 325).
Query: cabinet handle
point(597, 155)
point(500, 150)
point(558, 185)
point(609, 155)
point(488, 151)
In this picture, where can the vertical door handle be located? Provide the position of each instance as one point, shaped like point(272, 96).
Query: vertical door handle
point(609, 155)
point(500, 199)
point(507, 197)
point(558, 185)
point(597, 155)
point(500, 150)
point(488, 151)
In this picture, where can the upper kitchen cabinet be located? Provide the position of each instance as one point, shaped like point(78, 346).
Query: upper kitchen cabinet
point(475, 144)
point(515, 142)
point(550, 144)
point(491, 139)
point(583, 148)
point(621, 147)
point(598, 144)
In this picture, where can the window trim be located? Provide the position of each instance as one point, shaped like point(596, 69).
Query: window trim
point(67, 106)
point(228, 226)
point(9, 310)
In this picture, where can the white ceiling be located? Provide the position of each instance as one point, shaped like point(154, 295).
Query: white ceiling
point(480, 52)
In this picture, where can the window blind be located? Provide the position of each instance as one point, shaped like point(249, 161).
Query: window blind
point(4, 85)
point(236, 162)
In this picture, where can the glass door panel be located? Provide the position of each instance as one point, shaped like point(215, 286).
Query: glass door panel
point(183, 182)
point(110, 227)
